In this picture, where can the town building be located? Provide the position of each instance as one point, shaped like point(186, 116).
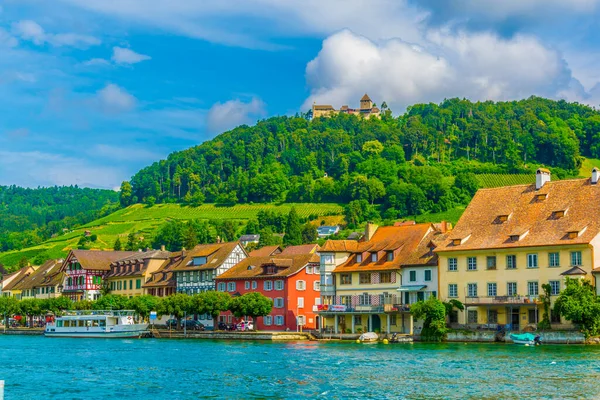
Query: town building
point(327, 230)
point(84, 271)
point(368, 286)
point(43, 283)
point(512, 240)
point(162, 283)
point(245, 240)
point(367, 109)
point(128, 275)
point(291, 279)
point(10, 281)
point(266, 251)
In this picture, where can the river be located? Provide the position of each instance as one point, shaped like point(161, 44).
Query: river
point(60, 368)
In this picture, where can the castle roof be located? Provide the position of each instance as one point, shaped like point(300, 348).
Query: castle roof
point(365, 98)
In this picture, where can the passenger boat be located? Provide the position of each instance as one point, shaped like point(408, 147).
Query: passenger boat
point(526, 338)
point(96, 324)
point(369, 337)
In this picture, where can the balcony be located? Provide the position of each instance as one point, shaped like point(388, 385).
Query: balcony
point(358, 309)
point(330, 288)
point(501, 300)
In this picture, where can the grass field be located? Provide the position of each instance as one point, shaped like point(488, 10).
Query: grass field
point(452, 215)
point(145, 220)
point(586, 167)
point(498, 180)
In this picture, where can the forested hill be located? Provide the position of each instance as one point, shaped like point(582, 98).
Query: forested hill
point(30, 216)
point(346, 158)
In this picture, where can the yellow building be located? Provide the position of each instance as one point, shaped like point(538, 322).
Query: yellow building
point(367, 109)
point(9, 284)
point(368, 286)
point(43, 283)
point(128, 276)
point(512, 240)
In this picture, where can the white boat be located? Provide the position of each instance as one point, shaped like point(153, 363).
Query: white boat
point(369, 337)
point(527, 339)
point(96, 324)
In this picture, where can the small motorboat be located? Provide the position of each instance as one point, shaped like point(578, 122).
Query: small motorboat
point(528, 339)
point(369, 337)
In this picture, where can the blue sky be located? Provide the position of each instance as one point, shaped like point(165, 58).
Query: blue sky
point(93, 90)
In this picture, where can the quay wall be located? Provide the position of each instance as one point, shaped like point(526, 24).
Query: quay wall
point(551, 337)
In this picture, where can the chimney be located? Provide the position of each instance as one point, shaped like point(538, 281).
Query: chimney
point(595, 175)
point(542, 176)
point(162, 247)
point(370, 229)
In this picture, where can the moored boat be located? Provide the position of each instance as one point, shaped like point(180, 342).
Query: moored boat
point(96, 324)
point(368, 337)
point(526, 338)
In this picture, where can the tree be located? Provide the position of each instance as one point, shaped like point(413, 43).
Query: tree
point(309, 233)
point(142, 305)
point(467, 182)
point(252, 227)
point(111, 302)
point(170, 235)
point(251, 304)
point(212, 303)
point(83, 305)
point(579, 304)
point(545, 299)
point(31, 308)
point(83, 243)
point(125, 196)
point(131, 242)
point(372, 147)
point(177, 305)
point(293, 229)
point(58, 305)
point(23, 262)
point(117, 245)
point(433, 312)
point(9, 306)
point(93, 237)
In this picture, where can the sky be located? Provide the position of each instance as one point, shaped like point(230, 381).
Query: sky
point(93, 90)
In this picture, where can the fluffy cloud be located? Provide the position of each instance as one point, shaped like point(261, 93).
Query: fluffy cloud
point(6, 39)
point(477, 66)
point(224, 116)
point(32, 31)
point(113, 98)
point(123, 55)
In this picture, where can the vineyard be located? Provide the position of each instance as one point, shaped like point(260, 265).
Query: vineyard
point(145, 220)
point(498, 180)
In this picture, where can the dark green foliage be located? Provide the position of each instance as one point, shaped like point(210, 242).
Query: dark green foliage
point(433, 312)
point(579, 304)
point(545, 298)
point(176, 235)
point(117, 246)
point(252, 304)
point(293, 229)
point(309, 233)
point(359, 211)
point(30, 216)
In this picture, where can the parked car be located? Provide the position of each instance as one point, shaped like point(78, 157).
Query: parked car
point(226, 327)
point(188, 323)
point(245, 326)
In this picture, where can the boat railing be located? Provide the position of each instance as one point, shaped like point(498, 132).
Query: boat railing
point(108, 313)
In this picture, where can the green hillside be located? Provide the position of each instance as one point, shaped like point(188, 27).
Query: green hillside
point(499, 180)
point(145, 220)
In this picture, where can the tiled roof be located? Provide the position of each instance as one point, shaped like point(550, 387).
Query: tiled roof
point(19, 276)
point(44, 275)
point(99, 260)
point(301, 249)
point(365, 98)
point(144, 255)
point(531, 219)
point(215, 253)
point(127, 266)
point(164, 276)
point(249, 238)
point(340, 245)
point(266, 251)
point(409, 244)
point(252, 267)
point(324, 107)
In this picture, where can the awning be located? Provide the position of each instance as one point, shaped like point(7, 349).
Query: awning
point(411, 288)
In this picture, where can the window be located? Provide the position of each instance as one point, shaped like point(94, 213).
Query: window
point(533, 316)
point(346, 279)
point(357, 319)
point(279, 320)
point(453, 290)
point(138, 283)
point(553, 259)
point(532, 288)
point(511, 261)
point(453, 317)
point(575, 258)
point(472, 317)
point(491, 262)
point(247, 285)
point(221, 286)
point(390, 256)
point(316, 286)
point(492, 317)
point(471, 263)
point(472, 290)
point(317, 301)
point(511, 288)
point(278, 302)
point(199, 261)
point(532, 261)
point(231, 286)
point(359, 258)
point(364, 277)
point(427, 275)
point(268, 285)
point(554, 317)
point(279, 285)
point(364, 299)
point(119, 285)
point(385, 277)
point(492, 289)
point(327, 259)
point(301, 320)
point(300, 302)
point(130, 284)
point(554, 288)
point(412, 276)
point(300, 285)
point(268, 320)
point(453, 264)
point(309, 270)
point(373, 257)
point(393, 320)
point(254, 285)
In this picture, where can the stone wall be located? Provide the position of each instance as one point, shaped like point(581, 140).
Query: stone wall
point(468, 336)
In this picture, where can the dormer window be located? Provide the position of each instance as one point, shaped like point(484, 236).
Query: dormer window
point(359, 258)
point(516, 236)
point(373, 257)
point(250, 267)
point(503, 218)
point(457, 241)
point(390, 256)
point(541, 196)
point(270, 270)
point(574, 234)
point(559, 214)
point(198, 261)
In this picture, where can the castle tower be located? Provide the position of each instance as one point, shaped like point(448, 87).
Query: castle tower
point(366, 103)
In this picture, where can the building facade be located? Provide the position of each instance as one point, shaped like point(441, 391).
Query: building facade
point(10, 282)
point(128, 276)
point(291, 280)
point(366, 110)
point(511, 241)
point(43, 283)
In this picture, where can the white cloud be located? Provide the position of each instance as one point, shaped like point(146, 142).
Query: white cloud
point(476, 66)
point(123, 55)
point(96, 62)
point(224, 116)
point(32, 31)
point(114, 98)
point(7, 40)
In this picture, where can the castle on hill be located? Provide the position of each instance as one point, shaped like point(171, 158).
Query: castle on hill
point(367, 109)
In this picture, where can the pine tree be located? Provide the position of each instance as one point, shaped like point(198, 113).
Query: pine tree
point(130, 242)
point(117, 246)
point(293, 229)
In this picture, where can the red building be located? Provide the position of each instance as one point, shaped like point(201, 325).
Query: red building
point(290, 279)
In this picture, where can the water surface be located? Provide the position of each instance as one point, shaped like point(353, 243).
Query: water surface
point(62, 368)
